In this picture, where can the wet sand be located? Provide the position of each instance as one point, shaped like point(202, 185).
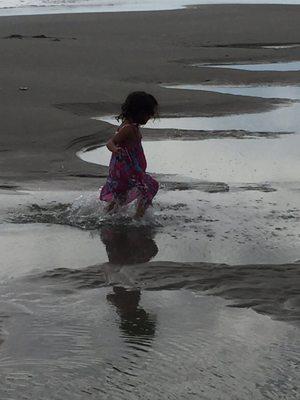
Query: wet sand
point(73, 72)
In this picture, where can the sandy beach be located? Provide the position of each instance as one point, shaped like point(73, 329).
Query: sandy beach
point(84, 74)
point(199, 300)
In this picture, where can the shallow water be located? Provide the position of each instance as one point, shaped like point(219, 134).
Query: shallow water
point(69, 327)
point(62, 342)
point(28, 247)
point(279, 92)
point(36, 7)
point(25, 7)
point(101, 310)
point(275, 66)
point(93, 306)
point(185, 225)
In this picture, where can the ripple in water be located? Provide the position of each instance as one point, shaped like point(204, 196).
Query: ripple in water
point(118, 343)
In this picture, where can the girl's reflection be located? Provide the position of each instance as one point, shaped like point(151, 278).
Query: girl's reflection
point(134, 320)
point(127, 245)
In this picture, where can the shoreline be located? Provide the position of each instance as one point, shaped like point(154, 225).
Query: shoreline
point(37, 10)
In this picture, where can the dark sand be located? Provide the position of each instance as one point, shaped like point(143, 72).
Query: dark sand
point(85, 64)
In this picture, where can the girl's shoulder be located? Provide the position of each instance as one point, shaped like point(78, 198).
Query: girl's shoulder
point(128, 126)
point(130, 130)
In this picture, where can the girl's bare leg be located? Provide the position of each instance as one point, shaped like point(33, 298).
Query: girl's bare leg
point(140, 210)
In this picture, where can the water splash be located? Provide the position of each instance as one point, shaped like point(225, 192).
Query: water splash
point(85, 212)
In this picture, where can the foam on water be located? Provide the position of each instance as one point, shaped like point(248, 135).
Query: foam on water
point(25, 7)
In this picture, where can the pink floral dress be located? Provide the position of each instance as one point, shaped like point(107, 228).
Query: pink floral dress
point(128, 180)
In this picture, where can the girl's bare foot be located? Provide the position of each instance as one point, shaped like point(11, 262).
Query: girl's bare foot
point(111, 207)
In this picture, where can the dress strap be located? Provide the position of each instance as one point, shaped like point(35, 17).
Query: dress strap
point(133, 124)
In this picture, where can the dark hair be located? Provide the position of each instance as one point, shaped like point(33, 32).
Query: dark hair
point(138, 104)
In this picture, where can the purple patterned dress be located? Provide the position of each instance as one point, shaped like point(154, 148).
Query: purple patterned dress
point(127, 178)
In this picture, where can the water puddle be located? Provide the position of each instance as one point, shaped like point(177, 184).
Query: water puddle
point(282, 119)
point(278, 92)
point(33, 246)
point(275, 66)
point(227, 160)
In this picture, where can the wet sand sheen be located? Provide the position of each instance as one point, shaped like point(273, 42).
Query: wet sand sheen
point(275, 66)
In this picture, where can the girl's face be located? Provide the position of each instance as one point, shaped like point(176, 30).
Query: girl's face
point(144, 118)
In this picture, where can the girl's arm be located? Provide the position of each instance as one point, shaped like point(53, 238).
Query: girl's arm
point(112, 146)
point(119, 137)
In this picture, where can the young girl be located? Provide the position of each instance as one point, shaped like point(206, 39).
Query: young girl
point(127, 178)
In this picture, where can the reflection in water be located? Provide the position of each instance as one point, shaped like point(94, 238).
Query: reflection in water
point(135, 321)
point(130, 245)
